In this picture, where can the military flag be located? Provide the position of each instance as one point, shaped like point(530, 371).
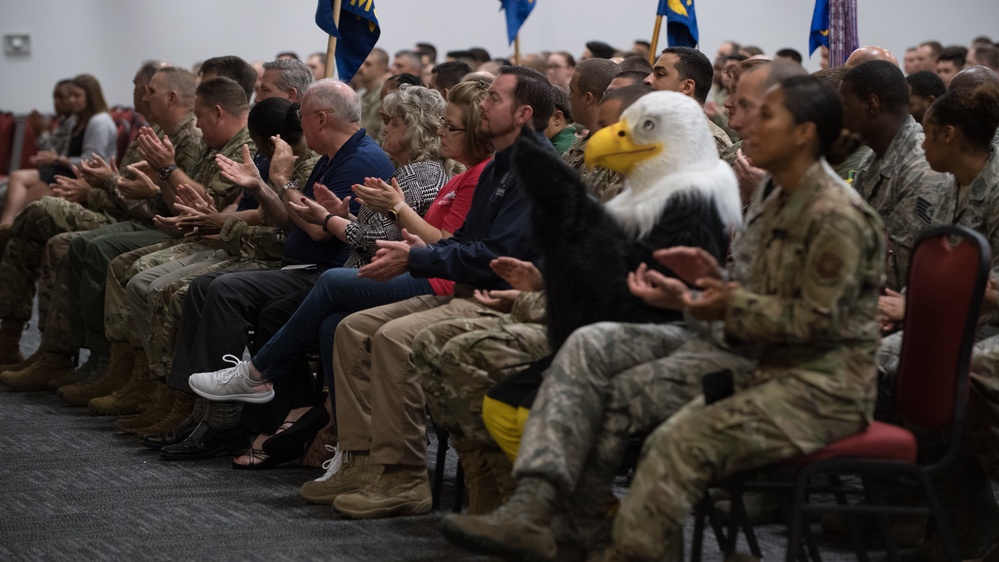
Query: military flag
point(681, 22)
point(516, 14)
point(357, 32)
point(834, 25)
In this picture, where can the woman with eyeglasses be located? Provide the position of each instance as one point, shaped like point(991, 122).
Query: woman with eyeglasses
point(339, 292)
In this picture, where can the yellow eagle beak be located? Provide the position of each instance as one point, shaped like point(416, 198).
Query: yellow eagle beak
point(613, 148)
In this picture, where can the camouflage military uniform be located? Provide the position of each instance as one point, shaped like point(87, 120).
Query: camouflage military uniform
point(904, 190)
point(722, 140)
point(371, 119)
point(91, 254)
point(53, 285)
point(601, 183)
point(847, 169)
point(148, 287)
point(816, 284)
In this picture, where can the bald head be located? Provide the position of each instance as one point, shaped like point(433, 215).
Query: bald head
point(336, 97)
point(973, 77)
point(869, 53)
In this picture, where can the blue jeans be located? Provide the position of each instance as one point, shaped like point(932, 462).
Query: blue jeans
point(337, 293)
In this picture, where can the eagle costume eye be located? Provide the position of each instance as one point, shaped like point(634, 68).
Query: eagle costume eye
point(649, 124)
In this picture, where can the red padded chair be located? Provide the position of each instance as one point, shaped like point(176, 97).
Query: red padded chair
point(28, 148)
point(8, 126)
point(947, 278)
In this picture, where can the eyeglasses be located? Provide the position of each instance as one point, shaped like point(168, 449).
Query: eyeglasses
point(300, 114)
point(448, 127)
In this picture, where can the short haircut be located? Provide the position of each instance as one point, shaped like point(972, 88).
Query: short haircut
point(973, 77)
point(738, 57)
point(463, 56)
point(292, 73)
point(595, 75)
point(735, 47)
point(636, 64)
point(569, 59)
point(789, 54)
point(562, 104)
point(833, 76)
point(975, 111)
point(467, 96)
point(600, 50)
point(480, 55)
point(287, 55)
point(753, 50)
point(381, 55)
point(776, 72)
point(450, 73)
point(693, 65)
point(225, 93)
point(427, 49)
point(148, 68)
point(405, 78)
point(628, 95)
point(987, 55)
point(422, 109)
point(533, 89)
point(234, 68)
point(414, 59)
point(344, 103)
point(926, 84)
point(955, 54)
point(635, 76)
point(935, 47)
point(275, 116)
point(320, 54)
point(182, 81)
point(643, 43)
point(882, 79)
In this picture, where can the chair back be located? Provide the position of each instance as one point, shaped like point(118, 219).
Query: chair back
point(8, 126)
point(948, 273)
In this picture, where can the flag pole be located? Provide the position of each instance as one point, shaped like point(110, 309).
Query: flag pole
point(655, 40)
point(331, 44)
point(516, 49)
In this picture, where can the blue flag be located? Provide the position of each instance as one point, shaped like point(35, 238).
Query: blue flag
point(516, 14)
point(357, 35)
point(681, 22)
point(819, 33)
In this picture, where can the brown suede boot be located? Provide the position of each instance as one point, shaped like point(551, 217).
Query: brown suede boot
point(38, 374)
point(484, 494)
point(10, 342)
point(126, 400)
point(117, 375)
point(183, 404)
point(29, 361)
point(160, 409)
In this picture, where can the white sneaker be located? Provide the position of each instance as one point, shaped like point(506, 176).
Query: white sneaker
point(232, 383)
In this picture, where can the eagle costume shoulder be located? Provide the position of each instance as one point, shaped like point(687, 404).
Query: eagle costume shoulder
point(677, 192)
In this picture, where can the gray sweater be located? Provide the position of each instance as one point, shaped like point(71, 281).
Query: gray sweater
point(100, 137)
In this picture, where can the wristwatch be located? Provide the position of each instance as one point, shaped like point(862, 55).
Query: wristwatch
point(393, 213)
point(288, 186)
point(165, 171)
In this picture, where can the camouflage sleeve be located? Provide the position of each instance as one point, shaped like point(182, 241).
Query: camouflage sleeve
point(530, 307)
point(251, 242)
point(187, 150)
point(831, 260)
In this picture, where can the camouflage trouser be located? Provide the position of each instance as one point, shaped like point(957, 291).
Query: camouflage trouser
point(53, 276)
point(459, 360)
point(156, 298)
point(118, 325)
point(982, 418)
point(702, 444)
point(19, 268)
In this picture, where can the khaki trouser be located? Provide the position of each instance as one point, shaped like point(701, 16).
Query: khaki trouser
point(379, 399)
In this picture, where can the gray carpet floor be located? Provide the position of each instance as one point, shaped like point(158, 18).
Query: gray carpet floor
point(72, 488)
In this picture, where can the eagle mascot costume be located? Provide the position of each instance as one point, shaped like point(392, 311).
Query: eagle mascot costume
point(677, 192)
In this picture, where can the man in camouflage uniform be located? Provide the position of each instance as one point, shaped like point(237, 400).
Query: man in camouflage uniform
point(587, 85)
point(895, 179)
point(222, 110)
point(99, 203)
point(369, 79)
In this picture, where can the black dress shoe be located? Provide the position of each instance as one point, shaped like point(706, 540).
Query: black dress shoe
point(290, 443)
point(205, 443)
point(172, 437)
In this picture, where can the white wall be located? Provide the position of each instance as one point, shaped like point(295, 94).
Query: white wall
point(109, 38)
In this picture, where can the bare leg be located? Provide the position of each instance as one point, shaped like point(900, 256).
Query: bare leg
point(24, 186)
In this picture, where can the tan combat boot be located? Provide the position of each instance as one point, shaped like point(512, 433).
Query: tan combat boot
point(29, 361)
point(346, 472)
point(37, 376)
point(520, 530)
point(481, 482)
point(10, 342)
point(126, 400)
point(164, 398)
point(183, 405)
point(397, 490)
point(118, 372)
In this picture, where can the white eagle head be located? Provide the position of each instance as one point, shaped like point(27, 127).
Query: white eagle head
point(662, 145)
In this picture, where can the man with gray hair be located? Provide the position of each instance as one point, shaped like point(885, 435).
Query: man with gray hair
point(285, 78)
point(222, 308)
